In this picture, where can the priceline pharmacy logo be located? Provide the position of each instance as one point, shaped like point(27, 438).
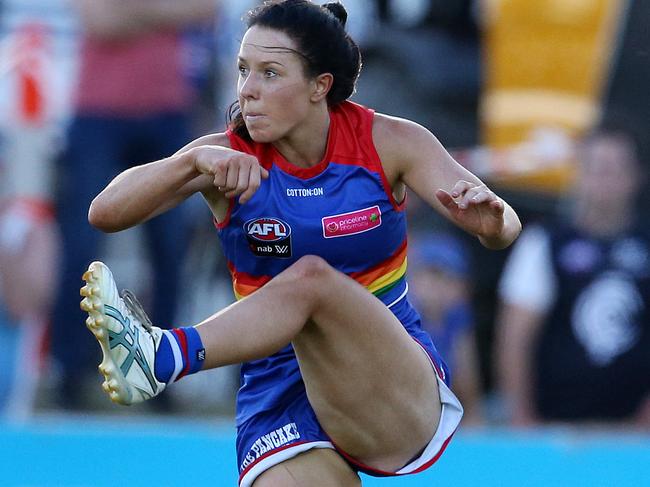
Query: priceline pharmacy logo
point(351, 223)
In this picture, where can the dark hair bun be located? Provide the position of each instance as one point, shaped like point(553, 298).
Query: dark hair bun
point(338, 10)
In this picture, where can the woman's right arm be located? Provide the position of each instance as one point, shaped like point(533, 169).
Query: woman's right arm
point(206, 165)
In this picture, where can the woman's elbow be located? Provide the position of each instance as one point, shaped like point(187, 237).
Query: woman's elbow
point(99, 216)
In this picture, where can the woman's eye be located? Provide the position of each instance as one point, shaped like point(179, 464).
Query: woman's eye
point(270, 73)
point(243, 70)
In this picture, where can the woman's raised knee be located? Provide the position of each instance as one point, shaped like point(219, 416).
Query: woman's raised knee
point(311, 267)
point(309, 274)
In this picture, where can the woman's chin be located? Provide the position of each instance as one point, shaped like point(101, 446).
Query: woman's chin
point(260, 136)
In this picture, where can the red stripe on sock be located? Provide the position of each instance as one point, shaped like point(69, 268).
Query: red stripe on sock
point(182, 341)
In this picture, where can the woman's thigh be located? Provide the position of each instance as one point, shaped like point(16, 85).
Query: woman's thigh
point(321, 467)
point(372, 386)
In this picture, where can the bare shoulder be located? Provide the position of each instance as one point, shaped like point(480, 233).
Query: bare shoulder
point(397, 135)
point(400, 141)
point(385, 125)
point(387, 130)
point(215, 139)
point(220, 139)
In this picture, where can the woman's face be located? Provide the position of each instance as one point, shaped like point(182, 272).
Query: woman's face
point(609, 175)
point(274, 93)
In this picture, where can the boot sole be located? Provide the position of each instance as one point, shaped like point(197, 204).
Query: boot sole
point(115, 384)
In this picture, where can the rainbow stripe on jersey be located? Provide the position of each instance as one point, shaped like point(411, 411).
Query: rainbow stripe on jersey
point(379, 279)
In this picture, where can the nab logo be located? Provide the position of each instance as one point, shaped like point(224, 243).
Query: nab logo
point(269, 237)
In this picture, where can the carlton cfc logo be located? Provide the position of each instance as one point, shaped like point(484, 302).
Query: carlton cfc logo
point(269, 237)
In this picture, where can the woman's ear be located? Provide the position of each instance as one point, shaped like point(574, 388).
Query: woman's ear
point(322, 85)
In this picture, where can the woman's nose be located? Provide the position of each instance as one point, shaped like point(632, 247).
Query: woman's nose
point(248, 87)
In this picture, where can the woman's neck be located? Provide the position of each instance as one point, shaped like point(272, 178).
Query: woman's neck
point(305, 146)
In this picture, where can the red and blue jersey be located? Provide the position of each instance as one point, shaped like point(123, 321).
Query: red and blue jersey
point(342, 210)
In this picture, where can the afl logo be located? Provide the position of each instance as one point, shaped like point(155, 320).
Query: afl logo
point(268, 237)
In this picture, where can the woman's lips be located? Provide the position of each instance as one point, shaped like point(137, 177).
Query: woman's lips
point(254, 117)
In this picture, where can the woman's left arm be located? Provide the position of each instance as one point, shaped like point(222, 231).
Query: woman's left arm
point(412, 155)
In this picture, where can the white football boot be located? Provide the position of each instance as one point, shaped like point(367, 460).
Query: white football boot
point(126, 336)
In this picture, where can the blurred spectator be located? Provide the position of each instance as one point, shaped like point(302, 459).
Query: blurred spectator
point(37, 69)
point(28, 261)
point(574, 326)
point(133, 105)
point(439, 277)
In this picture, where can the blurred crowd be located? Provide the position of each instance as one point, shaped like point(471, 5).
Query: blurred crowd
point(555, 330)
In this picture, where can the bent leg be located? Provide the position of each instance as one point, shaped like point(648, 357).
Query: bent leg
point(322, 467)
point(370, 383)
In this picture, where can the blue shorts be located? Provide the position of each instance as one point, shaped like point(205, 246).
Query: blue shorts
point(271, 437)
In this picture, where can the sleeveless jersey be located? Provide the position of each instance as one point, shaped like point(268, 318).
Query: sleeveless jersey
point(593, 361)
point(342, 210)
